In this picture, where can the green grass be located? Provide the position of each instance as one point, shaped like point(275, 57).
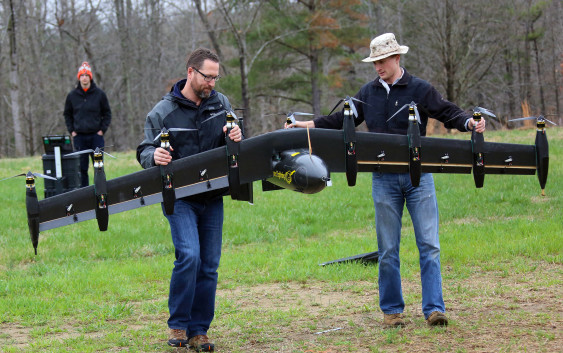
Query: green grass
point(91, 291)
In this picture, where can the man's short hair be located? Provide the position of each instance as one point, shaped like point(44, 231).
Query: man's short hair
point(198, 56)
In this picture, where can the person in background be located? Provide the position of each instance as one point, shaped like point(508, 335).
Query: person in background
point(197, 222)
point(87, 117)
point(392, 88)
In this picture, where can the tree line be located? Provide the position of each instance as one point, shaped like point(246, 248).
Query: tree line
point(277, 56)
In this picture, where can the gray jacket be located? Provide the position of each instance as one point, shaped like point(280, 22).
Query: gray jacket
point(175, 111)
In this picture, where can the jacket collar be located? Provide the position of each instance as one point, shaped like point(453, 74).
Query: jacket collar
point(92, 86)
point(176, 92)
point(402, 82)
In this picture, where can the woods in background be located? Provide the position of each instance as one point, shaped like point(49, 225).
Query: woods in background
point(277, 56)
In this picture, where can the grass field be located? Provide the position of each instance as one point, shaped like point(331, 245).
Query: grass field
point(91, 291)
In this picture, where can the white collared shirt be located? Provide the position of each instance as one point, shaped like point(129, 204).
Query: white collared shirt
point(387, 88)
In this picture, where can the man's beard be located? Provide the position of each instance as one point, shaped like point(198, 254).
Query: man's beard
point(201, 93)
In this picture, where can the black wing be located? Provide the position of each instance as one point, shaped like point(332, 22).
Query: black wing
point(209, 170)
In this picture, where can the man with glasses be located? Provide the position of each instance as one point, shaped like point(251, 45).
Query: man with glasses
point(197, 222)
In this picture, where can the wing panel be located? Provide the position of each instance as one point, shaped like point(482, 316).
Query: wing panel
point(125, 193)
point(509, 158)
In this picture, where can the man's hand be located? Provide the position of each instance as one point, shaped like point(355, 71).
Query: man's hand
point(162, 156)
point(73, 134)
point(235, 134)
point(309, 123)
point(480, 127)
point(101, 133)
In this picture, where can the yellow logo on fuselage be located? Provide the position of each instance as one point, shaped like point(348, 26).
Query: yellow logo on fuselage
point(284, 176)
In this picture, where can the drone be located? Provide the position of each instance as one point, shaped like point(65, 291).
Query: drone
point(282, 160)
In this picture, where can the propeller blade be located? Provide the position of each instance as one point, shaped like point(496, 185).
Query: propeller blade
point(157, 137)
point(39, 175)
point(14, 176)
point(484, 111)
point(233, 114)
point(181, 129)
point(104, 152)
point(336, 106)
point(214, 115)
point(80, 152)
point(397, 112)
point(352, 106)
point(526, 118)
point(357, 100)
point(416, 112)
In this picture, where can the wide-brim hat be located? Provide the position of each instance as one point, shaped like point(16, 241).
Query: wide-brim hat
point(383, 46)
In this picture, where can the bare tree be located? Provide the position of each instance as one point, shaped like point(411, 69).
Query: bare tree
point(19, 142)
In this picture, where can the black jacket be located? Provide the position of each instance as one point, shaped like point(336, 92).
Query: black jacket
point(381, 106)
point(87, 112)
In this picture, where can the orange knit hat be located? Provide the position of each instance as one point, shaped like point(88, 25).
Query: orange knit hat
point(84, 69)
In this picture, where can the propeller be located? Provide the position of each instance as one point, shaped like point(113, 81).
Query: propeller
point(31, 175)
point(476, 110)
point(98, 150)
point(165, 131)
point(350, 101)
point(540, 119)
point(231, 113)
point(484, 111)
point(411, 104)
point(224, 111)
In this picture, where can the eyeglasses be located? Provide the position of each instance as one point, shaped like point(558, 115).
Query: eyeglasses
point(208, 78)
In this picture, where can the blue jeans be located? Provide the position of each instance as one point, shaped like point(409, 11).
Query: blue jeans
point(390, 191)
point(85, 142)
point(196, 229)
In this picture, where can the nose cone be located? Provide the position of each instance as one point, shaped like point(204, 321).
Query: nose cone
point(300, 171)
point(312, 174)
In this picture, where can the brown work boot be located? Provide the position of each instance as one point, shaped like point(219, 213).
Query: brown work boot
point(437, 319)
point(393, 320)
point(177, 338)
point(201, 343)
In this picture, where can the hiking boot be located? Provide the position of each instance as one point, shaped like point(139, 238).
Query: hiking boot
point(437, 319)
point(393, 320)
point(177, 338)
point(201, 343)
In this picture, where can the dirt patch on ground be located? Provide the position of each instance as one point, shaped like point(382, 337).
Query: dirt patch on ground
point(488, 312)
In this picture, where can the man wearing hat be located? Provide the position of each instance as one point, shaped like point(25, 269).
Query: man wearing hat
point(87, 116)
point(390, 91)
